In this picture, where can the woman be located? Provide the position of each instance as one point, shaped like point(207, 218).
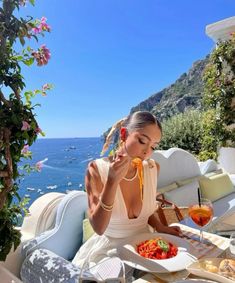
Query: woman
point(121, 188)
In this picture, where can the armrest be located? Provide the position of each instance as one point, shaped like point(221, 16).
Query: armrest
point(66, 237)
point(43, 266)
point(42, 215)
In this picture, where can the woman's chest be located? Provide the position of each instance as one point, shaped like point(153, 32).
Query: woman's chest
point(131, 196)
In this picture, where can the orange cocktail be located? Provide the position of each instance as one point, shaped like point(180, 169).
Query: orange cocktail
point(201, 215)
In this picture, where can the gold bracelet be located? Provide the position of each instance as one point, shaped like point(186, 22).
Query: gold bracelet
point(105, 206)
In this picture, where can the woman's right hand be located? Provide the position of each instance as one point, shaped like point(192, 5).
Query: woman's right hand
point(119, 166)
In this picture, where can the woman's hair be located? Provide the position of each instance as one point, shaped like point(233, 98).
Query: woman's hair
point(139, 120)
point(133, 122)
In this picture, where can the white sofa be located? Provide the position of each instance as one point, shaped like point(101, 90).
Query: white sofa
point(179, 178)
point(181, 175)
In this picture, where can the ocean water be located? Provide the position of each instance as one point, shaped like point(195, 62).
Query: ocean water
point(64, 168)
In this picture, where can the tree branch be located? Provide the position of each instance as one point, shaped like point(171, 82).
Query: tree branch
point(7, 181)
point(17, 93)
point(3, 99)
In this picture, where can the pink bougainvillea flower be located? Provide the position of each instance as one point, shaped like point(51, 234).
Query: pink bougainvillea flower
point(42, 26)
point(46, 87)
point(36, 30)
point(25, 126)
point(38, 130)
point(25, 149)
point(42, 55)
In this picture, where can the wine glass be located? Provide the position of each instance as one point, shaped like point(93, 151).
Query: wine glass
point(232, 245)
point(201, 214)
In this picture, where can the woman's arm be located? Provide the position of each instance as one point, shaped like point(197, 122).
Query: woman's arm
point(98, 216)
point(101, 196)
point(160, 228)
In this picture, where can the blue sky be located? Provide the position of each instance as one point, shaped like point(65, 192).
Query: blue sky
point(108, 56)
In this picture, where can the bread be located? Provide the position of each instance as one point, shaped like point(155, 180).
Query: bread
point(227, 268)
point(209, 266)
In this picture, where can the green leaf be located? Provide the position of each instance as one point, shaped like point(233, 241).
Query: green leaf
point(29, 61)
point(163, 245)
point(32, 2)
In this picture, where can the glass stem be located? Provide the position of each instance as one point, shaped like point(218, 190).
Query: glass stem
point(201, 235)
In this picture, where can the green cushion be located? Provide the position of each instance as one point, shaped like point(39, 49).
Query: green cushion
point(187, 181)
point(216, 187)
point(87, 230)
point(167, 188)
point(213, 173)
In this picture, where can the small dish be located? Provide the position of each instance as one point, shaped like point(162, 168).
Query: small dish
point(197, 269)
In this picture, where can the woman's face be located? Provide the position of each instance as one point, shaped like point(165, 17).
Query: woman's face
point(141, 143)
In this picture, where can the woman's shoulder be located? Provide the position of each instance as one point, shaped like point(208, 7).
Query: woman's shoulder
point(102, 161)
point(99, 166)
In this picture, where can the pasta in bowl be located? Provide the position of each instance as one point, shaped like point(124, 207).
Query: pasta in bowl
point(157, 252)
point(157, 248)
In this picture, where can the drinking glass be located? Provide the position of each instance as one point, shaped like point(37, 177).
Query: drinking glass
point(232, 244)
point(201, 214)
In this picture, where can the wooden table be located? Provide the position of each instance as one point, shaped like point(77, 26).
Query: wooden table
point(218, 249)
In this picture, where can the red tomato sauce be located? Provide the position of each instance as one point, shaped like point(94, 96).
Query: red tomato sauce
point(157, 249)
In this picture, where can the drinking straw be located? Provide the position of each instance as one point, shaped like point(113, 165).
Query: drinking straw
point(199, 196)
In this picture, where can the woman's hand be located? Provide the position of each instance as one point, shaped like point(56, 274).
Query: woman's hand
point(173, 230)
point(118, 167)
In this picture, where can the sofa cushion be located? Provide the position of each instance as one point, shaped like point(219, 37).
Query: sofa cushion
point(43, 266)
point(183, 182)
point(232, 177)
point(208, 166)
point(216, 187)
point(213, 173)
point(87, 230)
point(168, 188)
point(224, 205)
point(184, 195)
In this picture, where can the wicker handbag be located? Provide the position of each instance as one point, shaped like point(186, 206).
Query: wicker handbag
point(168, 212)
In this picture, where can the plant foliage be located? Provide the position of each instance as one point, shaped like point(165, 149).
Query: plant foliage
point(218, 100)
point(183, 131)
point(18, 125)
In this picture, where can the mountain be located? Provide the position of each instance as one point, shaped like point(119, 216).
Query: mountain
point(185, 93)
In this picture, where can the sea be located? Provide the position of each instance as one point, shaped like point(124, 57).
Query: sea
point(64, 165)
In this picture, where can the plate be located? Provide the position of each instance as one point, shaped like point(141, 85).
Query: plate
point(179, 262)
point(195, 281)
point(196, 269)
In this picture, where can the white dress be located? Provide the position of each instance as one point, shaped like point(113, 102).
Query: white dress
point(120, 226)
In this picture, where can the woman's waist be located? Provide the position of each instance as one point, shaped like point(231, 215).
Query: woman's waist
point(125, 229)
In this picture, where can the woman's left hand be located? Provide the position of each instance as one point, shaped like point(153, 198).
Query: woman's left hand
point(173, 230)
